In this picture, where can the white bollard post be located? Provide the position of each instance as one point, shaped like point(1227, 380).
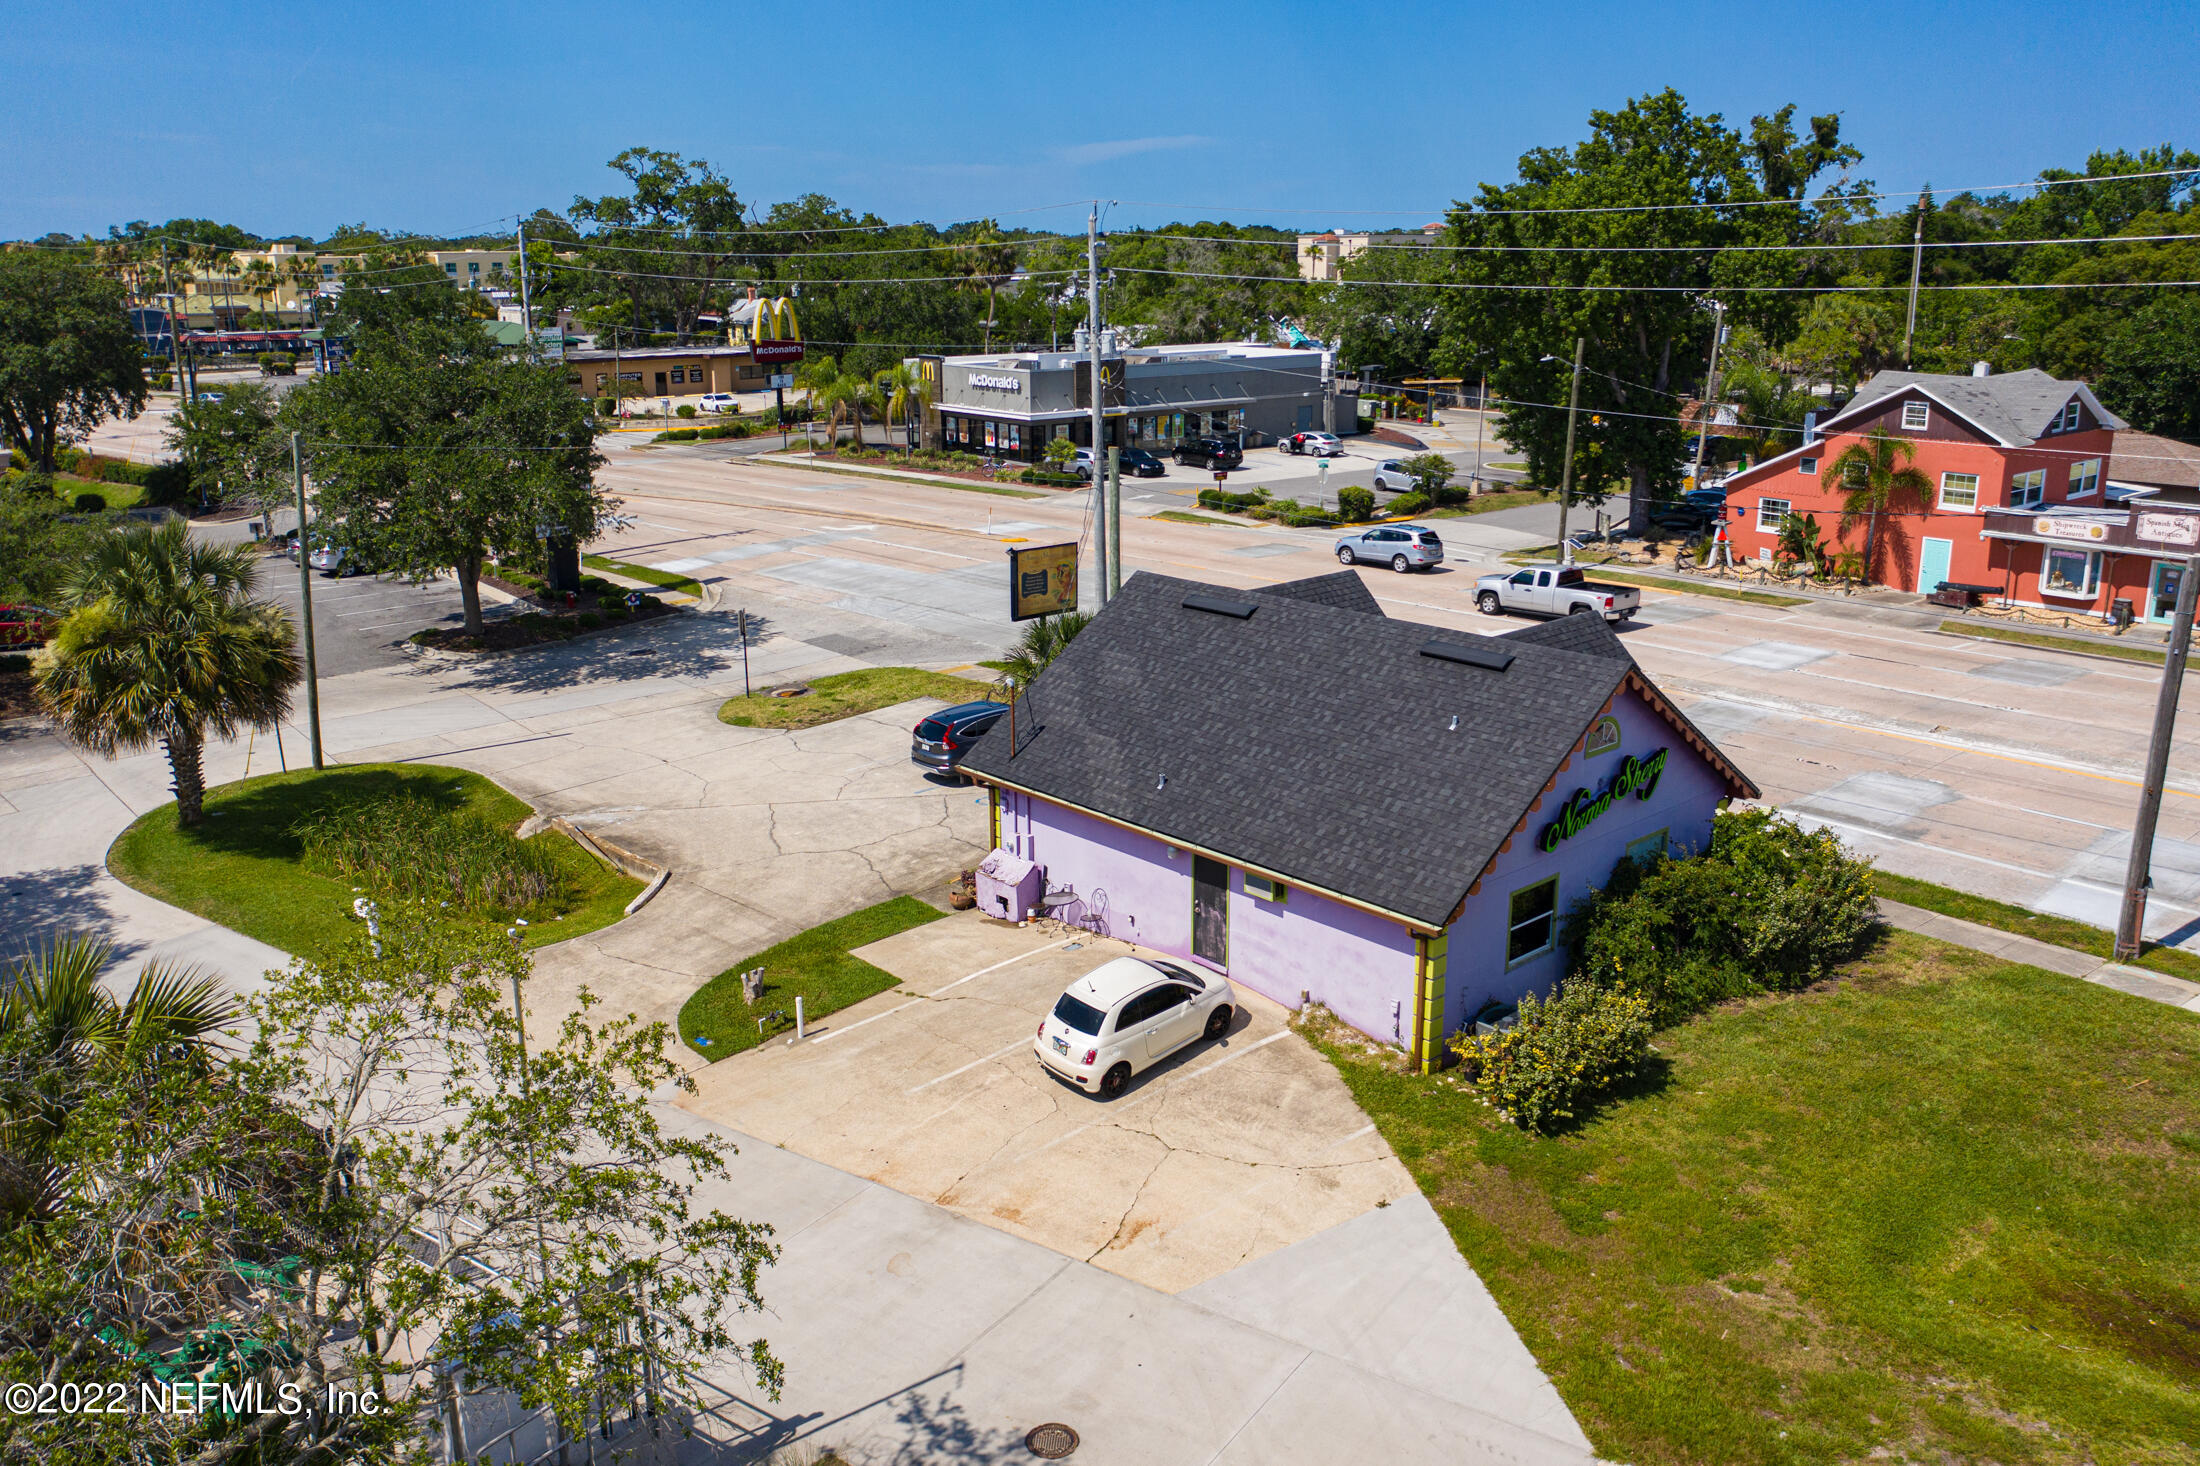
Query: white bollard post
point(798, 1018)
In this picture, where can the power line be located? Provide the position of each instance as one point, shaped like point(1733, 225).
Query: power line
point(1672, 289)
point(1610, 249)
point(1824, 198)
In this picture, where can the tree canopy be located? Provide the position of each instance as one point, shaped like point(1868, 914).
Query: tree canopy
point(436, 449)
point(68, 358)
point(1527, 274)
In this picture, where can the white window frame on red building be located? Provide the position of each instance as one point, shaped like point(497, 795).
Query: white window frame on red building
point(2092, 573)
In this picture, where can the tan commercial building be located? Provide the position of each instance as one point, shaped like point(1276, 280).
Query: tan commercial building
point(665, 371)
point(1320, 255)
point(281, 280)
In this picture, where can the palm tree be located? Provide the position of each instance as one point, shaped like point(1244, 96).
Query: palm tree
point(988, 262)
point(1872, 475)
point(1043, 641)
point(163, 642)
point(908, 394)
point(61, 1030)
point(812, 376)
point(876, 398)
point(838, 396)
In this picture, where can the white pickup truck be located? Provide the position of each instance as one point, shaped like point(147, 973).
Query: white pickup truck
point(1555, 590)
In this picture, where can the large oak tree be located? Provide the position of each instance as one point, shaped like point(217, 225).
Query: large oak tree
point(1532, 267)
point(68, 358)
point(435, 448)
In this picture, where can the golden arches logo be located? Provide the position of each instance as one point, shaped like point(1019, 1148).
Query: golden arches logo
point(775, 321)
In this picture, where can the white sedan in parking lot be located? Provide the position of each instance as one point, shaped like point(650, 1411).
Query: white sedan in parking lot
point(1128, 1015)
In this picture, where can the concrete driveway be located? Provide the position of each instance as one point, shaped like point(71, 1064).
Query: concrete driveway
point(1224, 1152)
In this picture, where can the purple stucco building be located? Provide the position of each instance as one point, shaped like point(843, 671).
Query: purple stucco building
point(1387, 818)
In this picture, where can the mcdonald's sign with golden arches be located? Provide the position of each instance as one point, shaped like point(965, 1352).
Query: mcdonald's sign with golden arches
point(777, 334)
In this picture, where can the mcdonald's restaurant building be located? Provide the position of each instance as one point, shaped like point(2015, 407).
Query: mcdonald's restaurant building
point(1011, 404)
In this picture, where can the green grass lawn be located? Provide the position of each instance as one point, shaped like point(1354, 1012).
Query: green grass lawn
point(1940, 1210)
point(2061, 931)
point(814, 966)
point(648, 575)
point(2151, 655)
point(845, 694)
point(242, 867)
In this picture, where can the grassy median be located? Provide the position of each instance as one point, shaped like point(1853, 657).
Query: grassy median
point(246, 866)
point(816, 967)
point(845, 695)
point(2059, 931)
point(648, 575)
point(1936, 1210)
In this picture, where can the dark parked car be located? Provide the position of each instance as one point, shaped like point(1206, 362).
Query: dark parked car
point(940, 741)
point(25, 626)
point(1209, 453)
point(1138, 463)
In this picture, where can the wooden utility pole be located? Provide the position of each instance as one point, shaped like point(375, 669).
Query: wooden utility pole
point(2138, 875)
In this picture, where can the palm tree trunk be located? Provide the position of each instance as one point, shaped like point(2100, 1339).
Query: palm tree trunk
point(1871, 547)
point(989, 291)
point(187, 775)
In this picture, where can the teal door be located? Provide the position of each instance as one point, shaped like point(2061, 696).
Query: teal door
point(1932, 564)
point(2162, 590)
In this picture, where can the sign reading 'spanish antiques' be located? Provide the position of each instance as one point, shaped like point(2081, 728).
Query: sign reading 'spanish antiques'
point(1636, 776)
point(2168, 529)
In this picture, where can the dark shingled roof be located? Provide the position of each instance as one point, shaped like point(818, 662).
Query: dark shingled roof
point(1592, 636)
point(1309, 741)
point(1343, 589)
point(2016, 407)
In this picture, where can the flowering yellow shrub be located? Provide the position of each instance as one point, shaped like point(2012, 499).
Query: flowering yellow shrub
point(1562, 1051)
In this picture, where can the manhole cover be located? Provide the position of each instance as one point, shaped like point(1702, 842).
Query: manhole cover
point(790, 692)
point(1052, 1441)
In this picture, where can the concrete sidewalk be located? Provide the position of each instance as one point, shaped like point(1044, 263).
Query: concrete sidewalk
point(2156, 987)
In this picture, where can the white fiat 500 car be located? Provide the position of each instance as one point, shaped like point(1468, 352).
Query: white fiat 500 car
point(1127, 1015)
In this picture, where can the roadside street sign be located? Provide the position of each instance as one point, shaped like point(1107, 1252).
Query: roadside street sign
point(1220, 475)
point(780, 380)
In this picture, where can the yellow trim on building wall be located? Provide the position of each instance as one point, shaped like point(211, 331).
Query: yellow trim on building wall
point(994, 790)
point(1428, 1024)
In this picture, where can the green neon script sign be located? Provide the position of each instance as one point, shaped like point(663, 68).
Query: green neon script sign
point(1636, 776)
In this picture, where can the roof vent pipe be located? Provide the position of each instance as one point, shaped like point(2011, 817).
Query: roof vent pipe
point(1982, 368)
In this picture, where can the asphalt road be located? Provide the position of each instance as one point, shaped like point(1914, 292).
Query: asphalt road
point(2007, 771)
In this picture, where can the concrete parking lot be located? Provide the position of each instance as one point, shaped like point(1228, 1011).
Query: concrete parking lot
point(1223, 1153)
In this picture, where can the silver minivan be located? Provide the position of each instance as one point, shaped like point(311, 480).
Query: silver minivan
point(1402, 547)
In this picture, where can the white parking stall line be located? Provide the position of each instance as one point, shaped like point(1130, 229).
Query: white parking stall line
point(875, 1017)
point(1155, 1092)
point(1233, 1054)
point(996, 967)
point(1009, 1048)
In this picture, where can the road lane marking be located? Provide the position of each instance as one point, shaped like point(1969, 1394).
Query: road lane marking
point(2022, 870)
point(1008, 1048)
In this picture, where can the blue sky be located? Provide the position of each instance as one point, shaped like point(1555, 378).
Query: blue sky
point(445, 117)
